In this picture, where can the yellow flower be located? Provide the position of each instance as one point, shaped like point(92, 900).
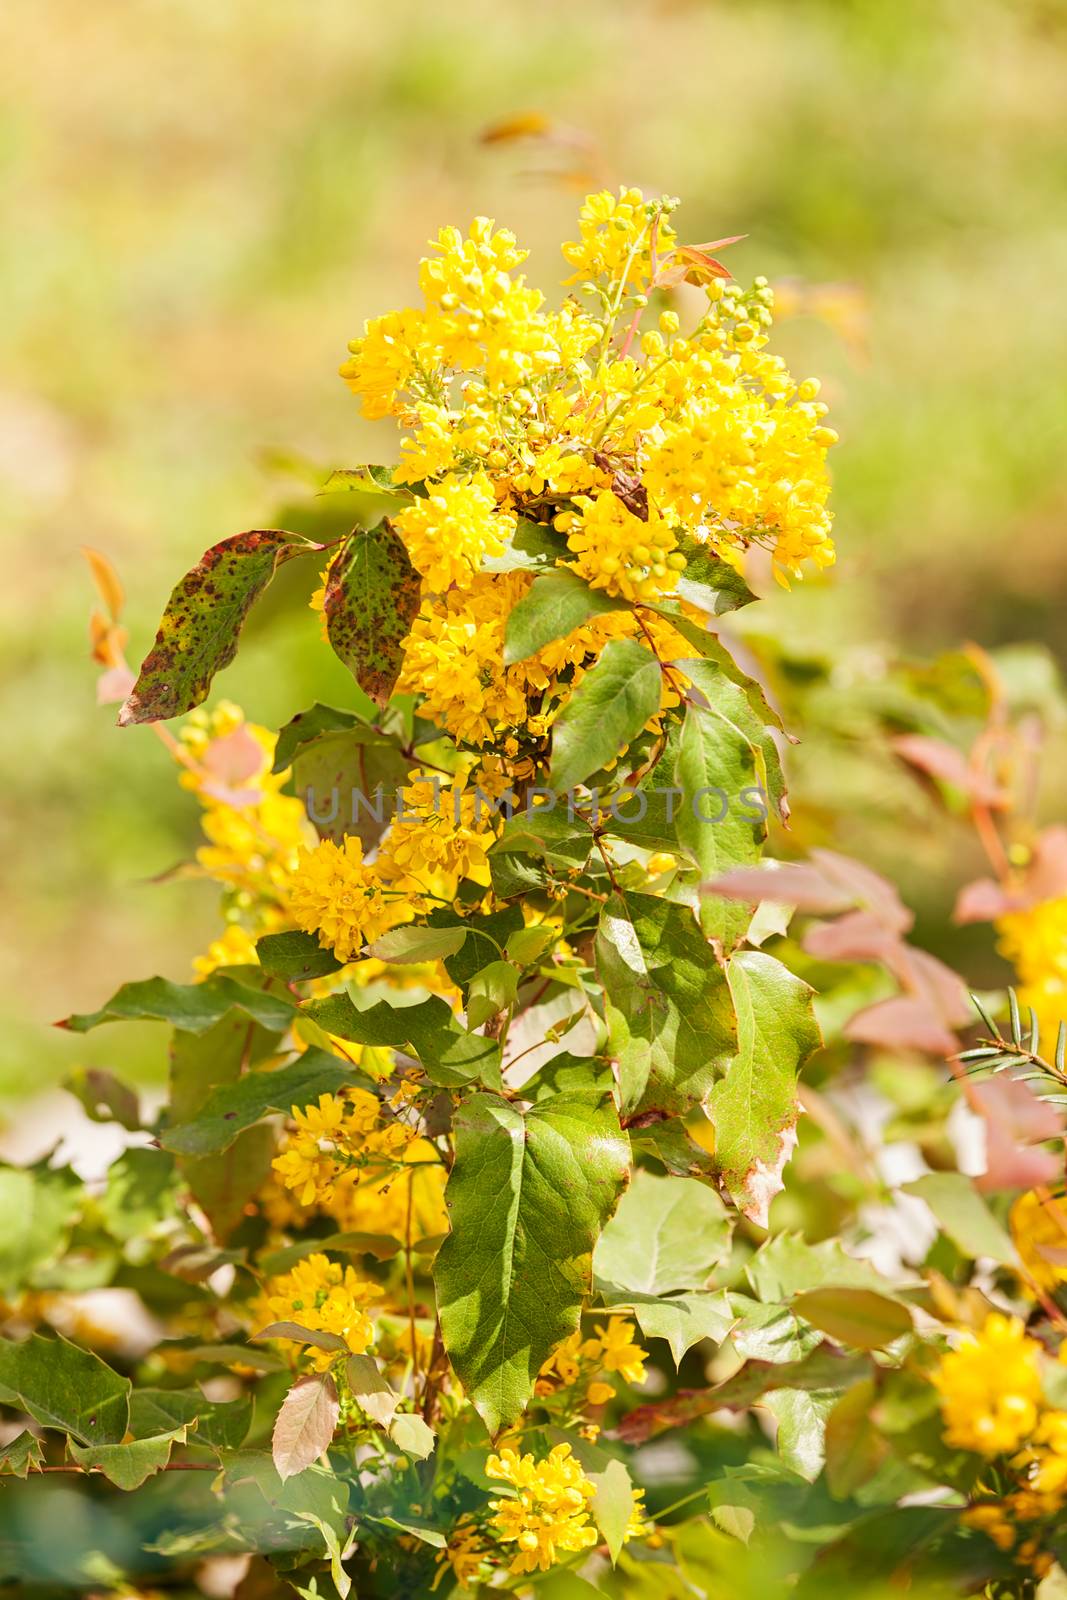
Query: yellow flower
point(335, 1137)
point(466, 1553)
point(234, 948)
point(549, 1512)
point(1035, 941)
point(322, 1296)
point(450, 531)
point(618, 1351)
point(334, 894)
point(383, 360)
point(1039, 1228)
point(619, 552)
point(615, 238)
point(990, 1387)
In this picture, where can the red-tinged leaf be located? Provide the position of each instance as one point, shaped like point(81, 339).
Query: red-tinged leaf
point(904, 1022)
point(1044, 878)
point(108, 584)
point(372, 595)
point(858, 936)
point(948, 765)
point(1015, 1123)
point(301, 1335)
point(305, 1424)
point(797, 884)
point(200, 626)
point(114, 685)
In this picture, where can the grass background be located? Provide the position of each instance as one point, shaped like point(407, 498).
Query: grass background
point(200, 204)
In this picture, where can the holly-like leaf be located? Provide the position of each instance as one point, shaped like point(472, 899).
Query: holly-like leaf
point(305, 1424)
point(235, 1106)
point(754, 1106)
point(20, 1454)
point(668, 1010)
point(127, 1466)
point(449, 1055)
point(683, 1320)
point(608, 709)
point(667, 1234)
point(527, 1198)
point(199, 629)
point(192, 1006)
point(219, 1423)
point(64, 1387)
point(722, 817)
point(372, 595)
point(556, 603)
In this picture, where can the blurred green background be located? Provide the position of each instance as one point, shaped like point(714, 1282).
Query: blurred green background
point(202, 201)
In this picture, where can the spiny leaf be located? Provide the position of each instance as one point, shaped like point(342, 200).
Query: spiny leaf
point(64, 1387)
point(527, 1197)
point(199, 629)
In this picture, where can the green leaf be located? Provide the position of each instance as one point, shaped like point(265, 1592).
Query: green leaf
point(533, 547)
point(222, 1424)
point(710, 583)
point(127, 1466)
point(140, 1193)
point(20, 1454)
point(64, 1387)
point(786, 1265)
point(557, 603)
point(964, 1215)
point(411, 944)
point(223, 1184)
point(527, 1198)
point(449, 1055)
point(192, 1006)
point(38, 1205)
point(305, 1424)
point(491, 991)
point(199, 629)
point(854, 1448)
point(308, 726)
point(856, 1317)
point(349, 783)
point(719, 772)
point(667, 1007)
point(380, 1245)
point(801, 1416)
point(296, 1331)
point(612, 1506)
point(104, 1098)
point(412, 1435)
point(372, 595)
point(536, 844)
point(683, 1320)
point(608, 709)
point(667, 1234)
point(294, 957)
point(235, 1106)
point(376, 1397)
point(754, 1106)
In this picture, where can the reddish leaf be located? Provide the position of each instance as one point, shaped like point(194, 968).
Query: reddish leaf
point(1016, 1121)
point(1045, 878)
point(947, 764)
point(201, 623)
point(372, 595)
point(305, 1424)
point(905, 1022)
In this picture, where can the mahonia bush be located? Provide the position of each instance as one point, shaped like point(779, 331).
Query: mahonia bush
point(459, 1197)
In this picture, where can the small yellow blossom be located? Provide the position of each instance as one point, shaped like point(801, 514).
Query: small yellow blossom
point(549, 1512)
point(990, 1387)
point(450, 531)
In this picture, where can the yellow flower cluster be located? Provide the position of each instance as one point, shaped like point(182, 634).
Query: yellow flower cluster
point(549, 1511)
point(990, 1388)
point(634, 446)
point(335, 1137)
point(992, 1404)
point(439, 836)
point(1039, 1228)
point(611, 1349)
point(324, 1297)
point(1034, 940)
